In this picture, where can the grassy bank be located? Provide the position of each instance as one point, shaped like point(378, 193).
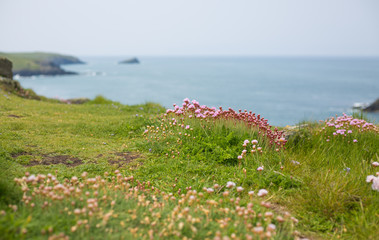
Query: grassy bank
point(103, 169)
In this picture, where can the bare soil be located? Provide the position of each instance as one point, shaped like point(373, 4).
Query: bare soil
point(123, 158)
point(50, 159)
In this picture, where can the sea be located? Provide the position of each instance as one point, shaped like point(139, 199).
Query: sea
point(283, 90)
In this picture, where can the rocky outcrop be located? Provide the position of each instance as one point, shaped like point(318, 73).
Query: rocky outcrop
point(6, 68)
point(45, 68)
point(130, 61)
point(373, 107)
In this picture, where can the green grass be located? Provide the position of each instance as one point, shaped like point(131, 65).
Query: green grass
point(307, 179)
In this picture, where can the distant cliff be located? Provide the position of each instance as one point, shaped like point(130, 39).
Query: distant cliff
point(40, 63)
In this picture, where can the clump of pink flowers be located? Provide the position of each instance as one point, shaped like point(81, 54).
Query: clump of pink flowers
point(193, 109)
point(347, 125)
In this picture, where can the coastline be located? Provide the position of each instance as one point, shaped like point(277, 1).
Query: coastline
point(40, 63)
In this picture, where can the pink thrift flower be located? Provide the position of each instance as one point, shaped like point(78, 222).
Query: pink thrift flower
point(370, 178)
point(260, 169)
point(375, 164)
point(355, 140)
point(230, 184)
point(254, 142)
point(239, 157)
point(375, 182)
point(262, 192)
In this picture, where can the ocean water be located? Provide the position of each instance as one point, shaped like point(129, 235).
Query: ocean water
point(283, 90)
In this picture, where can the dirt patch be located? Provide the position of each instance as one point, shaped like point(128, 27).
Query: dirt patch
point(49, 159)
point(59, 159)
point(14, 116)
point(16, 155)
point(123, 158)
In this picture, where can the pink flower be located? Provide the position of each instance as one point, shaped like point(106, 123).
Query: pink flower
point(260, 169)
point(375, 182)
point(230, 184)
point(370, 178)
point(355, 140)
point(262, 192)
point(239, 157)
point(254, 142)
point(188, 126)
point(375, 164)
point(239, 189)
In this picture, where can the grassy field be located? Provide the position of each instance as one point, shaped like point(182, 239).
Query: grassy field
point(102, 170)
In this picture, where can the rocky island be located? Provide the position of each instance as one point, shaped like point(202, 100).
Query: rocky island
point(373, 107)
point(40, 63)
point(130, 61)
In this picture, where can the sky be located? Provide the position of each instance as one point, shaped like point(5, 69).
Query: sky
point(191, 27)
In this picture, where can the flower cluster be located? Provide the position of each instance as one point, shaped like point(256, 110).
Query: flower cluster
point(192, 109)
point(147, 212)
point(250, 147)
point(347, 125)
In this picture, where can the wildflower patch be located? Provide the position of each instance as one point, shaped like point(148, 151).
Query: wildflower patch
point(347, 127)
point(128, 208)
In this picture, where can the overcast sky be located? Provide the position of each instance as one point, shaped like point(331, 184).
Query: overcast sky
point(192, 27)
